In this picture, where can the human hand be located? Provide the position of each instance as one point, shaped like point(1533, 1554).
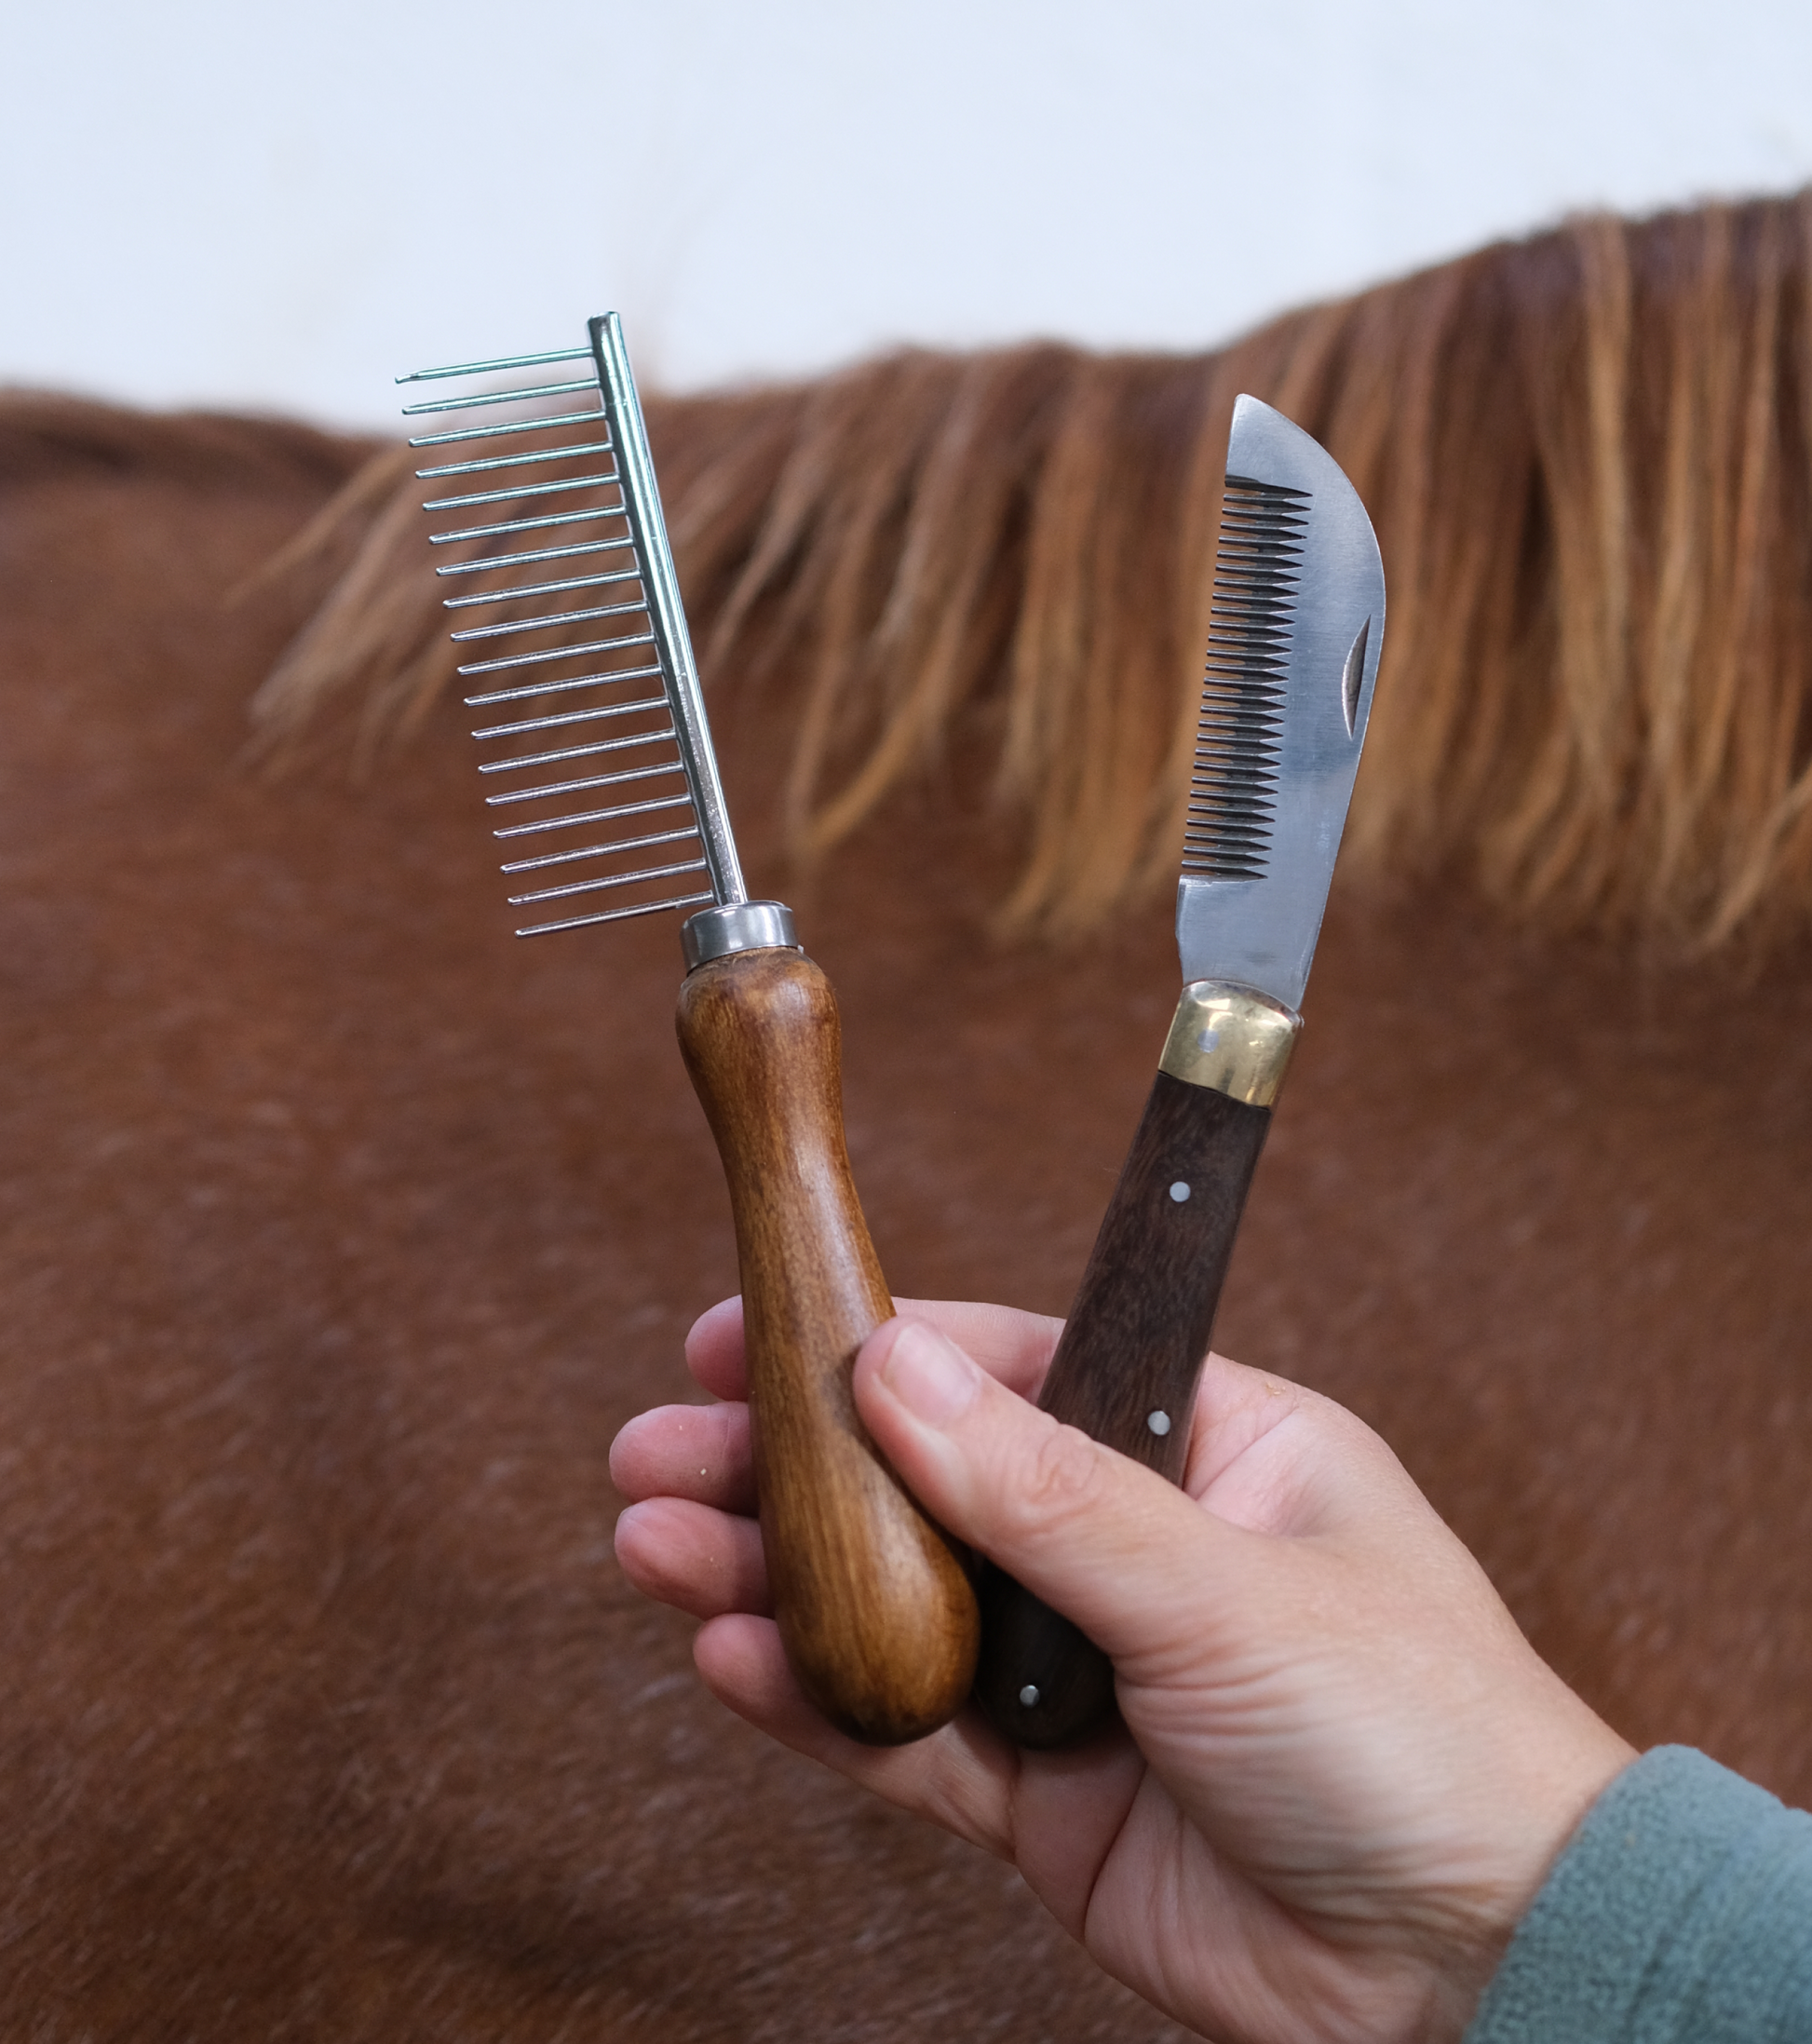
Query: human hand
point(1343, 1772)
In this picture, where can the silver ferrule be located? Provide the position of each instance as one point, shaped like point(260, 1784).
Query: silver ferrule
point(738, 926)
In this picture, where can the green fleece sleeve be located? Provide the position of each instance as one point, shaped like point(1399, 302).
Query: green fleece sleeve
point(1681, 1913)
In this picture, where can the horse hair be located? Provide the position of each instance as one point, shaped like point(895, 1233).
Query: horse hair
point(1588, 456)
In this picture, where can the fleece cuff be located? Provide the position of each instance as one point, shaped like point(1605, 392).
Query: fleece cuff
point(1682, 1909)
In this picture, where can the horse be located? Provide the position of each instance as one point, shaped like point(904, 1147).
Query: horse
point(342, 1234)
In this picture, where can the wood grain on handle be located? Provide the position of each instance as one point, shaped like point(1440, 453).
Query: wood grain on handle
point(1125, 1371)
point(875, 1609)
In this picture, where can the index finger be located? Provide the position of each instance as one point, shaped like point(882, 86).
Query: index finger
point(1013, 1347)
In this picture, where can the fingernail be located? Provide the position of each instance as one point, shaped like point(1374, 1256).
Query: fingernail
point(930, 1378)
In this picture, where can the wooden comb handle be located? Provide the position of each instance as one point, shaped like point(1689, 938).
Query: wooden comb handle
point(875, 1609)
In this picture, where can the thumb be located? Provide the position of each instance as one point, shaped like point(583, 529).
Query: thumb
point(1100, 1538)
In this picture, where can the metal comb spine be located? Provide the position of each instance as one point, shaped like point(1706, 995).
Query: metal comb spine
point(661, 587)
point(527, 679)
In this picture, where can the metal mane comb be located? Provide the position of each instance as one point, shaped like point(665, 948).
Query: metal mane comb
point(646, 740)
point(876, 1612)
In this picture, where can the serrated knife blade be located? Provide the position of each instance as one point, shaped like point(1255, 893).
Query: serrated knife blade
point(1296, 630)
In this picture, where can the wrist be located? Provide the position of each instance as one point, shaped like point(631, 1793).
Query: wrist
point(1558, 1792)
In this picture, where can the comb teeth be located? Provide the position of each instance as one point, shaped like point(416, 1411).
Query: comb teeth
point(1232, 786)
point(579, 647)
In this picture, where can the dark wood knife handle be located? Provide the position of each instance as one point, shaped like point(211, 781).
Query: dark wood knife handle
point(876, 1609)
point(1126, 1372)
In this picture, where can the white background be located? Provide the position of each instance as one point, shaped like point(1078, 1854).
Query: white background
point(231, 202)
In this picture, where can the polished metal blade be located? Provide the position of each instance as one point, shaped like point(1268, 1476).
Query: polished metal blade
point(1296, 630)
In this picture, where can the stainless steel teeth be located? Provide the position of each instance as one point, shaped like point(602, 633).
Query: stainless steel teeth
point(573, 787)
point(700, 900)
point(1239, 732)
point(556, 653)
point(503, 365)
point(542, 588)
point(569, 717)
point(609, 880)
point(524, 525)
point(599, 851)
point(602, 815)
point(544, 427)
point(525, 460)
point(488, 561)
point(516, 492)
point(545, 623)
point(495, 397)
point(560, 686)
point(576, 751)
point(499, 426)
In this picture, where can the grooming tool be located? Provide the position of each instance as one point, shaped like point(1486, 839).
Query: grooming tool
point(568, 607)
point(1295, 629)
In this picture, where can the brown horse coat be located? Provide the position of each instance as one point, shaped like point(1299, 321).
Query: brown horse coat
point(341, 1234)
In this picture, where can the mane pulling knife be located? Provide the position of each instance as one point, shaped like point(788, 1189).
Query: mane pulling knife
point(1297, 629)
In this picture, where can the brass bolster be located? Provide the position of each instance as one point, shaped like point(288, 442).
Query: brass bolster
point(1231, 1038)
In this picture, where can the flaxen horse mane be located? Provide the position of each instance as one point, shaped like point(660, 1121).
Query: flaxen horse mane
point(1588, 455)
